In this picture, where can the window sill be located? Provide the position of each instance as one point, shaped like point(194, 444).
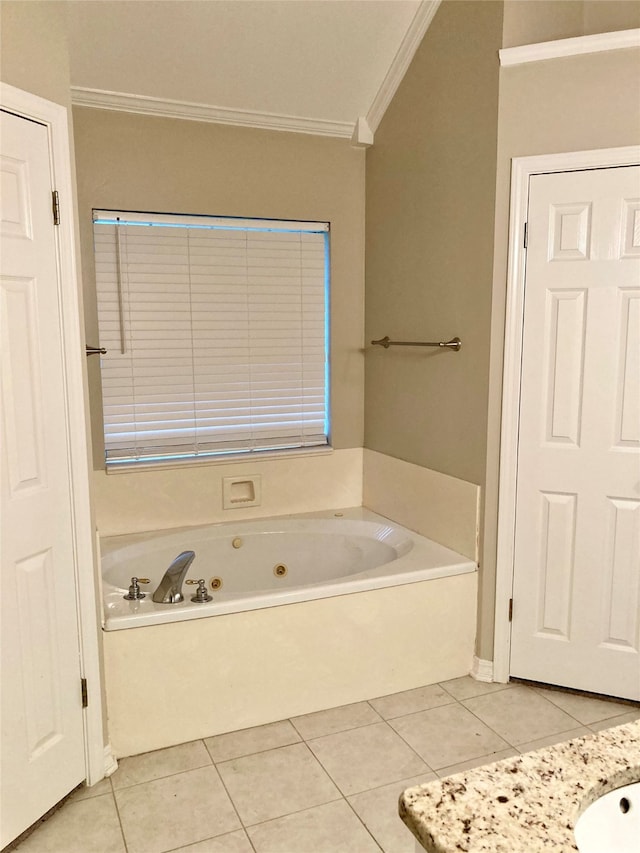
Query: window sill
point(217, 461)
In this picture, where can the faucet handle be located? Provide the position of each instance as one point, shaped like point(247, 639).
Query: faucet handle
point(135, 593)
point(201, 593)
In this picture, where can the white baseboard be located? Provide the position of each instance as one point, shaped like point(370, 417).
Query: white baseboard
point(482, 670)
point(110, 762)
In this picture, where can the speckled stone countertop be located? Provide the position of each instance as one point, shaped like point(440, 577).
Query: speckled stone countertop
point(529, 803)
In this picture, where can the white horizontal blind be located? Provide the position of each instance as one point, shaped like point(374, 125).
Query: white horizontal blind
point(216, 334)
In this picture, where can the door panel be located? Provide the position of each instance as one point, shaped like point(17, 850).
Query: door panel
point(42, 719)
point(576, 594)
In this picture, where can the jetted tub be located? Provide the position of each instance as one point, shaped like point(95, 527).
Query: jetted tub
point(254, 564)
point(313, 612)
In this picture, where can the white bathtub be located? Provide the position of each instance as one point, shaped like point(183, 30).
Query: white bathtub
point(392, 611)
point(249, 565)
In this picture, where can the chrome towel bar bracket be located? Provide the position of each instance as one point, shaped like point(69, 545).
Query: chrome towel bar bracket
point(454, 343)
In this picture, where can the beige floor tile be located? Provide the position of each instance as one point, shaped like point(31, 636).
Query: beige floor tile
point(466, 687)
point(274, 783)
point(378, 810)
point(463, 766)
point(585, 709)
point(411, 701)
point(175, 811)
point(520, 714)
point(330, 828)
point(334, 720)
point(160, 763)
point(447, 735)
point(86, 793)
point(90, 826)
point(247, 741)
point(551, 740)
point(366, 758)
point(615, 721)
point(232, 842)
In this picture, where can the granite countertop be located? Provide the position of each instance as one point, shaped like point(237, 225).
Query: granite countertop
point(529, 803)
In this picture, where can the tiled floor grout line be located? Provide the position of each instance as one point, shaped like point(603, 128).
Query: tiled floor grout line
point(502, 737)
point(210, 838)
point(339, 731)
point(375, 840)
point(159, 778)
point(231, 800)
point(315, 758)
point(342, 793)
point(430, 769)
point(460, 703)
point(345, 797)
point(390, 782)
point(516, 746)
point(249, 826)
point(295, 728)
point(179, 773)
point(115, 802)
point(477, 695)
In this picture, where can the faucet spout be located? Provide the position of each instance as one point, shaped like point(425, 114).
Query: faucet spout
point(169, 589)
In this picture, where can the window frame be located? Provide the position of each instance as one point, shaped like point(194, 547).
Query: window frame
point(243, 225)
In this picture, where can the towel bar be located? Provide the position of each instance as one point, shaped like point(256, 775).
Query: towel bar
point(454, 343)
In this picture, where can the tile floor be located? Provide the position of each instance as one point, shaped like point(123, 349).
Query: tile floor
point(322, 783)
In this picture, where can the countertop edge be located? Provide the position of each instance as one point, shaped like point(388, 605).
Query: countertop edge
point(462, 812)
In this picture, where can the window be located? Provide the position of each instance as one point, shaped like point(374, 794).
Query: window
point(216, 335)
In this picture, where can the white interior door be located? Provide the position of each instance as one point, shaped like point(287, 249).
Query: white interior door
point(42, 720)
point(576, 590)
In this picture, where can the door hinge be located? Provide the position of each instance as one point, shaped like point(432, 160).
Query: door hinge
point(84, 692)
point(510, 609)
point(526, 235)
point(55, 204)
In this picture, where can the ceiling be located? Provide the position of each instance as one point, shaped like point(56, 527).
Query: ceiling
point(311, 65)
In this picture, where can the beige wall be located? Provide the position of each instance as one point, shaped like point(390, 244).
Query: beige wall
point(573, 104)
point(33, 51)
point(429, 249)
point(531, 21)
point(137, 162)
point(603, 16)
point(435, 263)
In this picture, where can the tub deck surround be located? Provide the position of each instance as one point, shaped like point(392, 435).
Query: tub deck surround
point(271, 562)
point(175, 673)
point(530, 803)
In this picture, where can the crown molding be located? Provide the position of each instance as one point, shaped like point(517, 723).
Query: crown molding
point(362, 135)
point(146, 105)
point(402, 60)
point(569, 47)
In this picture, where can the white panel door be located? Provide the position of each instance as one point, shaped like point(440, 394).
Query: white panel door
point(576, 593)
point(42, 719)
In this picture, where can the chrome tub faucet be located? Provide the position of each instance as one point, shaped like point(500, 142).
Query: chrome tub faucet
point(169, 589)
